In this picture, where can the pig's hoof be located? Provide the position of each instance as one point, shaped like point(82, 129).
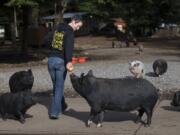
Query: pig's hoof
point(89, 123)
point(99, 125)
point(22, 121)
point(138, 120)
point(146, 125)
point(4, 119)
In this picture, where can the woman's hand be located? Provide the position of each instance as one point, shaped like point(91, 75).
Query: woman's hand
point(69, 67)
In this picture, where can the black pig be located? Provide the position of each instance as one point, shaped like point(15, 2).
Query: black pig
point(160, 67)
point(176, 99)
point(123, 94)
point(15, 104)
point(21, 81)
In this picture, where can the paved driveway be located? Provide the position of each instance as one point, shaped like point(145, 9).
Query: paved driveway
point(166, 121)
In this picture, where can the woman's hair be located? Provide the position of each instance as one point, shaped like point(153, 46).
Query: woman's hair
point(77, 18)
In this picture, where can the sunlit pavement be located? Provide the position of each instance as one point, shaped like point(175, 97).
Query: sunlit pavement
point(165, 121)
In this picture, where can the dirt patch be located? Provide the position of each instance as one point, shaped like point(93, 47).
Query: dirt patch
point(96, 48)
point(100, 48)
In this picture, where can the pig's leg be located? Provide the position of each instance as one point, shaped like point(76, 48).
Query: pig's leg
point(92, 115)
point(149, 116)
point(23, 112)
point(100, 119)
point(20, 117)
point(3, 114)
point(141, 112)
point(176, 100)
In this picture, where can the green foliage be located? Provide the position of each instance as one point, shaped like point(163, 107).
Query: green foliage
point(98, 7)
point(20, 3)
point(146, 14)
point(135, 12)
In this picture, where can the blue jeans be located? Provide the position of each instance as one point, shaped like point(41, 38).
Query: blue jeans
point(57, 71)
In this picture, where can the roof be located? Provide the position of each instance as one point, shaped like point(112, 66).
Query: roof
point(65, 15)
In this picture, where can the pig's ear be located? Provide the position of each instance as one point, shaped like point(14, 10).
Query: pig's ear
point(82, 75)
point(90, 73)
point(30, 71)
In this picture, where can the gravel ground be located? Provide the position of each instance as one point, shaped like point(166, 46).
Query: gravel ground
point(106, 63)
point(108, 69)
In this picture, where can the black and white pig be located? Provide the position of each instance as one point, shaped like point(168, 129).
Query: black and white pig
point(15, 104)
point(160, 67)
point(21, 81)
point(123, 94)
point(176, 99)
point(137, 68)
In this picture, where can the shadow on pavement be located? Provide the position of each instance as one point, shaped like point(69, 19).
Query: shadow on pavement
point(109, 116)
point(171, 108)
point(43, 98)
point(151, 74)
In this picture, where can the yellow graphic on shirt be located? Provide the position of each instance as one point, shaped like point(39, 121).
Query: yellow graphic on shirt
point(57, 42)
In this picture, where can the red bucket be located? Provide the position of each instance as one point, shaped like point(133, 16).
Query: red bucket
point(82, 59)
point(74, 60)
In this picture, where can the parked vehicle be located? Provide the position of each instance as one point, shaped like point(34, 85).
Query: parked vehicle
point(2, 31)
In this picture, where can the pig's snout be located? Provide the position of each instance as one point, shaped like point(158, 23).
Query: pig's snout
point(131, 68)
point(73, 76)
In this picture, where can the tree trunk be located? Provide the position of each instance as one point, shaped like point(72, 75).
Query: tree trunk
point(60, 6)
point(35, 15)
point(15, 22)
point(26, 22)
point(14, 33)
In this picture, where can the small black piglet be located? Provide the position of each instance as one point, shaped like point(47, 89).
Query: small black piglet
point(160, 67)
point(21, 81)
point(15, 104)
